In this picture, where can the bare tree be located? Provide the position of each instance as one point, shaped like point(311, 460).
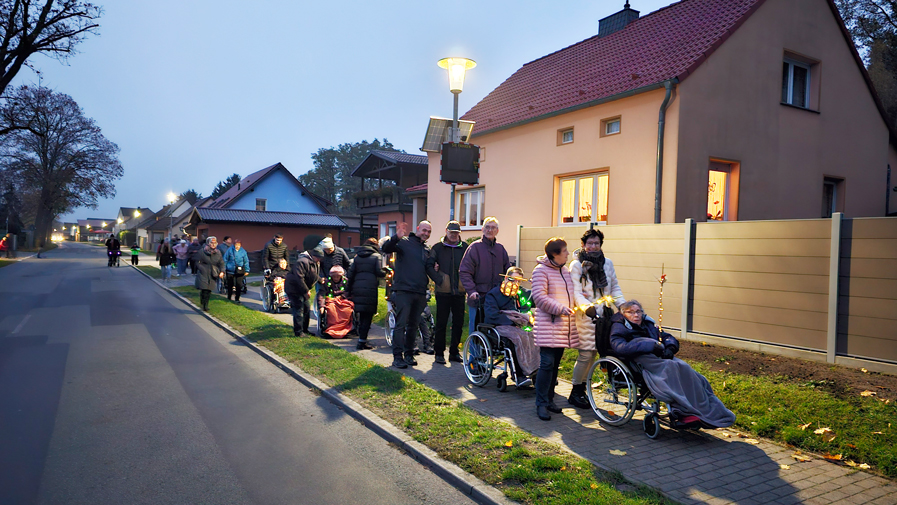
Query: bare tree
point(53, 27)
point(63, 156)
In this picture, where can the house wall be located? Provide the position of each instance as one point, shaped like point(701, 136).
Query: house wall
point(731, 109)
point(523, 163)
point(282, 193)
point(255, 237)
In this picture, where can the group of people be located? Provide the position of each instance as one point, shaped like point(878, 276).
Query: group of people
point(568, 303)
point(113, 251)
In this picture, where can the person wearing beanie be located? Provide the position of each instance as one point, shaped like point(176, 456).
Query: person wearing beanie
point(302, 277)
point(333, 256)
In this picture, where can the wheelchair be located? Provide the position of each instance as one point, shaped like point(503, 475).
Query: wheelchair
point(270, 301)
point(425, 330)
point(484, 351)
point(616, 391)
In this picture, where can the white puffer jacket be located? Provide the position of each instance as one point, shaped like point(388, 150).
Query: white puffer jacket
point(585, 296)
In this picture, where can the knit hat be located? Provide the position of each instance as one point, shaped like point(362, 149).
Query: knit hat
point(317, 252)
point(337, 270)
point(327, 243)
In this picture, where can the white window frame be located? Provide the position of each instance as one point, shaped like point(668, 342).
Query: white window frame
point(790, 98)
point(610, 122)
point(463, 214)
point(564, 136)
point(263, 201)
point(577, 178)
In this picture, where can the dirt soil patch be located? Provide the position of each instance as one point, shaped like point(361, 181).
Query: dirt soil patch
point(840, 381)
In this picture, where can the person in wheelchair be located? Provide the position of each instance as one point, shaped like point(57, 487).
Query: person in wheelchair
point(635, 337)
point(278, 276)
point(335, 307)
point(502, 310)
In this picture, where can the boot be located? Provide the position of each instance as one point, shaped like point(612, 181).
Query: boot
point(578, 397)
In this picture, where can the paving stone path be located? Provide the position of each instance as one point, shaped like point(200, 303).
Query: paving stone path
point(707, 467)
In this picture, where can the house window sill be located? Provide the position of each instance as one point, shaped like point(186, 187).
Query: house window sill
point(469, 228)
point(799, 108)
point(584, 223)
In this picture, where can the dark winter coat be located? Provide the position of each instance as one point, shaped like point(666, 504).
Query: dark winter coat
point(483, 265)
point(364, 279)
point(448, 257)
point(497, 302)
point(339, 257)
point(166, 255)
point(331, 289)
point(209, 263)
point(302, 277)
point(411, 263)
point(272, 253)
point(629, 341)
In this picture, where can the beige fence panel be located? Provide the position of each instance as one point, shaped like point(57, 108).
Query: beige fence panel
point(765, 281)
point(867, 308)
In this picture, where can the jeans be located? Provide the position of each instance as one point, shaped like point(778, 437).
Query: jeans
point(447, 304)
point(301, 311)
point(364, 325)
point(408, 310)
point(166, 272)
point(234, 285)
point(182, 266)
point(550, 360)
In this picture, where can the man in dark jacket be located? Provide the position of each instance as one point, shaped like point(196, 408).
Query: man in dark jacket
point(409, 288)
point(444, 268)
point(299, 281)
point(364, 281)
point(273, 251)
point(482, 266)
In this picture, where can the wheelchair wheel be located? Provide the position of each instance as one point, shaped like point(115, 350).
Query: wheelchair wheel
point(477, 359)
point(612, 391)
point(267, 295)
point(502, 380)
point(390, 326)
point(652, 425)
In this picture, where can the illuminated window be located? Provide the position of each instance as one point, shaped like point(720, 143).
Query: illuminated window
point(261, 204)
point(722, 191)
point(583, 199)
point(470, 210)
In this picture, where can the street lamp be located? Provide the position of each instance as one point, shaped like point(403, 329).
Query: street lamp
point(457, 68)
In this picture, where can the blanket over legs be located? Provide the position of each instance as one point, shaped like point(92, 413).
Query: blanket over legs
point(339, 316)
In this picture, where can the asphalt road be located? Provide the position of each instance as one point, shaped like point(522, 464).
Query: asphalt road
point(112, 391)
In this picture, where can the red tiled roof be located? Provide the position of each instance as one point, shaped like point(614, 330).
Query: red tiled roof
point(666, 44)
point(420, 188)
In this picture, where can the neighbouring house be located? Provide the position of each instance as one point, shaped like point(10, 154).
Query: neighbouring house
point(266, 202)
point(127, 220)
point(94, 229)
point(716, 110)
point(393, 190)
point(170, 220)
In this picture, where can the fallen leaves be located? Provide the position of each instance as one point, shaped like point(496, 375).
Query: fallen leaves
point(803, 427)
point(617, 452)
point(593, 486)
point(868, 393)
point(785, 467)
point(803, 458)
point(832, 457)
point(752, 441)
point(864, 370)
point(509, 443)
point(827, 434)
point(820, 431)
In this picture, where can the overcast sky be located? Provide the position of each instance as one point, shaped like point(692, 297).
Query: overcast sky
point(193, 91)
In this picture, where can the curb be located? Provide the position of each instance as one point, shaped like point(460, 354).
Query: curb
point(468, 484)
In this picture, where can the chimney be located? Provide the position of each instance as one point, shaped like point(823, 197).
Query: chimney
point(617, 21)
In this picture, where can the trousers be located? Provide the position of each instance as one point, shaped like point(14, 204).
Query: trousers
point(449, 305)
point(408, 310)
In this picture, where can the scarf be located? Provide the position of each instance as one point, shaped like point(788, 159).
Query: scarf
point(593, 265)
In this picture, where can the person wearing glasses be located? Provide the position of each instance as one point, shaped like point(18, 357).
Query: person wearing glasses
point(635, 337)
point(481, 269)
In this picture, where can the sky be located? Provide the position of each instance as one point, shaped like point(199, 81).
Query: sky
point(193, 91)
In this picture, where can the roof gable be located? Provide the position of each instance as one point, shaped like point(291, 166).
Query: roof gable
point(250, 181)
point(669, 43)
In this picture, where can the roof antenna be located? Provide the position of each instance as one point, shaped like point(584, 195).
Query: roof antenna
point(627, 5)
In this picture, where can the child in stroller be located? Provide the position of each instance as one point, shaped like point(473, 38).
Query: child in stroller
point(336, 310)
point(507, 310)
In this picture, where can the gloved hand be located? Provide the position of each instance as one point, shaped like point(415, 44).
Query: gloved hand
point(590, 312)
point(668, 354)
point(658, 349)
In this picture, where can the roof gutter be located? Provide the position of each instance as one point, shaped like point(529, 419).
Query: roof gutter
point(661, 125)
point(585, 105)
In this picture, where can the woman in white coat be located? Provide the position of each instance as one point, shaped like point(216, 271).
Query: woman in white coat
point(593, 279)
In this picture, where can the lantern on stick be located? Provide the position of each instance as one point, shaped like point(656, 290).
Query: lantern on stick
point(661, 280)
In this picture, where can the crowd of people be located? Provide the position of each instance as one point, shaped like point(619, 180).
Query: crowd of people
point(575, 297)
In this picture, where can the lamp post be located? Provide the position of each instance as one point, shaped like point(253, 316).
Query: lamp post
point(457, 68)
point(171, 198)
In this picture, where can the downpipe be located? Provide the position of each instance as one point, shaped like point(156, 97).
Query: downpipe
point(661, 124)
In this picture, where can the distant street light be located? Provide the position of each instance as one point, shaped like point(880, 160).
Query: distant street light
point(457, 68)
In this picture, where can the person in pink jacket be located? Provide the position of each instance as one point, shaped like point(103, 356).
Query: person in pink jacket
point(555, 328)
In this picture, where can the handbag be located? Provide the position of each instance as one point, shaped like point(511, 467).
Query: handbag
point(239, 272)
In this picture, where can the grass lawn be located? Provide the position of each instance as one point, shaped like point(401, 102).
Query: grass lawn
point(523, 466)
point(6, 263)
point(150, 270)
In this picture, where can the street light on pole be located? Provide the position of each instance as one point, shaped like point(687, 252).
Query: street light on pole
point(457, 68)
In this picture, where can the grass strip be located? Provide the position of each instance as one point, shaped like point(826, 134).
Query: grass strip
point(790, 413)
point(6, 263)
point(150, 270)
point(524, 467)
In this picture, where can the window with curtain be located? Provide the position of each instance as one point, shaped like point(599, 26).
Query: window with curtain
point(470, 210)
point(583, 199)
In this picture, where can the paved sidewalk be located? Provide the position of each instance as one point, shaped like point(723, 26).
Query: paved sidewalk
point(708, 467)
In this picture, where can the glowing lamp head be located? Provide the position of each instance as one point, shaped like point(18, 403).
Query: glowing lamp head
point(172, 197)
point(136, 213)
point(104, 224)
point(456, 67)
point(120, 220)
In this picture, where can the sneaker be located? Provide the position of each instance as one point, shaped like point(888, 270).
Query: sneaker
point(363, 346)
point(398, 362)
point(430, 352)
point(456, 358)
point(553, 408)
point(410, 361)
point(526, 382)
point(440, 360)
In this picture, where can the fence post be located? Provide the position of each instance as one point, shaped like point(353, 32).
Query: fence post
point(834, 262)
point(519, 233)
point(687, 267)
